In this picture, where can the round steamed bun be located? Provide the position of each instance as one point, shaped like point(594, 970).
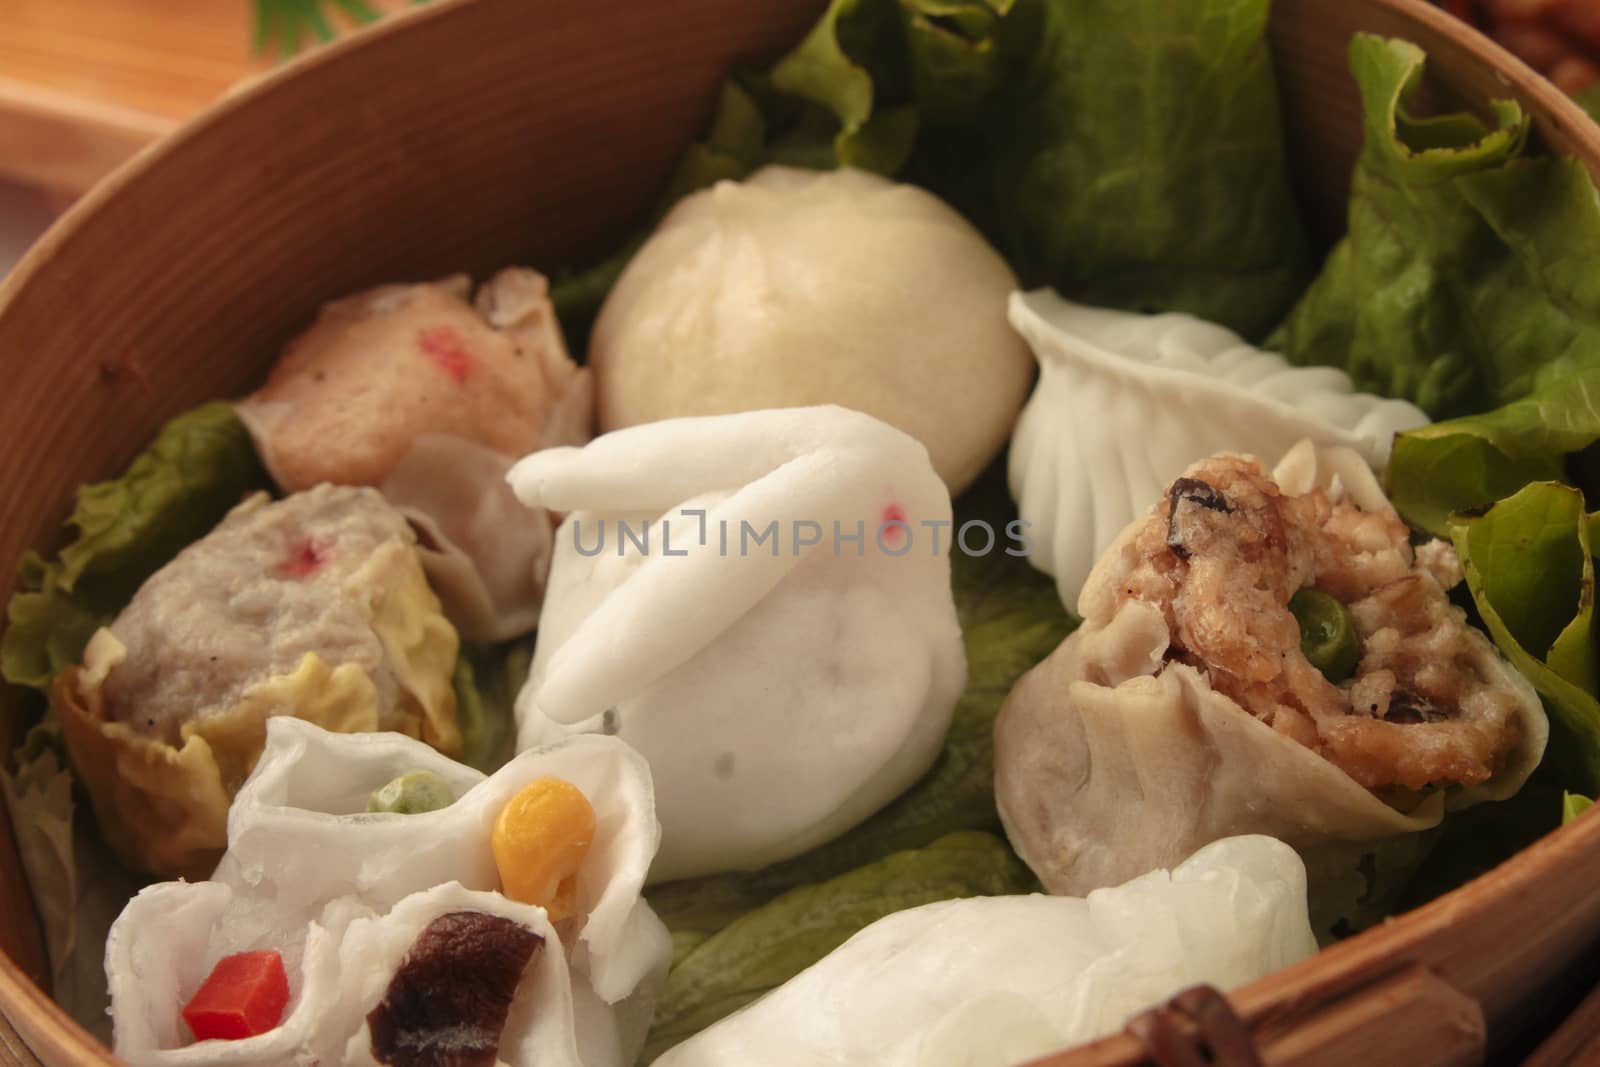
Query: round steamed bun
point(800, 287)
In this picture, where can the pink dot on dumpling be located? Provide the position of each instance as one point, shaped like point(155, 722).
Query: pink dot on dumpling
point(894, 521)
point(444, 346)
point(305, 557)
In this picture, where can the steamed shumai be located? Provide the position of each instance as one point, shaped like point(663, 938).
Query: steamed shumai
point(315, 606)
point(1186, 708)
point(428, 394)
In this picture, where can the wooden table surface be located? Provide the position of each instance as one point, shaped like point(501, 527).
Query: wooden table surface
point(84, 84)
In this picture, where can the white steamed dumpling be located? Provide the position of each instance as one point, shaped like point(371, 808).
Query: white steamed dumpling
point(341, 893)
point(781, 690)
point(341, 964)
point(996, 981)
point(798, 287)
point(1126, 401)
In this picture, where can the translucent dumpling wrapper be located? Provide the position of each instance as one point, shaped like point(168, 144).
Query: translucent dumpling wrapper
point(1184, 709)
point(299, 834)
point(339, 966)
point(782, 689)
point(315, 607)
point(798, 287)
point(997, 981)
point(341, 892)
point(1126, 401)
point(429, 397)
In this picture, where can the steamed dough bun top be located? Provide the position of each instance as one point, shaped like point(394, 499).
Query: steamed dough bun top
point(800, 287)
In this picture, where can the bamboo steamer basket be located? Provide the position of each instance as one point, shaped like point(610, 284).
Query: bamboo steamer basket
point(474, 133)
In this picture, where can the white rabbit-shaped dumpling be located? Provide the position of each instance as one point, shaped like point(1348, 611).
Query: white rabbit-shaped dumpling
point(1126, 401)
point(760, 604)
point(311, 874)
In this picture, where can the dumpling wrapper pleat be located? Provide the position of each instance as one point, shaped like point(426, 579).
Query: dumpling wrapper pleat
point(339, 967)
point(541, 1027)
point(1125, 402)
point(485, 554)
point(299, 835)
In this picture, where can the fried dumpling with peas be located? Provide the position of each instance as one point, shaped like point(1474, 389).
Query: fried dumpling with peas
point(429, 393)
point(1262, 654)
point(314, 606)
point(783, 689)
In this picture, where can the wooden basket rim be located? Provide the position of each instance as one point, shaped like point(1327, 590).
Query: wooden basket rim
point(1420, 936)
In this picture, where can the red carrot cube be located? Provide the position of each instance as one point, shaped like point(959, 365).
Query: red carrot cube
point(244, 996)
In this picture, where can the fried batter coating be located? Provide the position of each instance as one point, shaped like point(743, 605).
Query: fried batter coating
point(1223, 555)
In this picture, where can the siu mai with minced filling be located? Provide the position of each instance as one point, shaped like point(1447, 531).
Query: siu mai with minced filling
point(428, 392)
point(1262, 654)
point(315, 606)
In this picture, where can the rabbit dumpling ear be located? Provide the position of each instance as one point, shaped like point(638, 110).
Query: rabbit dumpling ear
point(673, 606)
point(659, 465)
point(787, 470)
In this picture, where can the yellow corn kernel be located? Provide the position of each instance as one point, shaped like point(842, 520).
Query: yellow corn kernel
point(540, 839)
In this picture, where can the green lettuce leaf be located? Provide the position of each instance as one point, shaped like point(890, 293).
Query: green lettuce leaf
point(1128, 154)
point(199, 466)
point(765, 948)
point(47, 627)
point(860, 87)
point(821, 71)
point(1011, 618)
point(955, 57)
point(1452, 467)
point(1573, 805)
point(1391, 299)
point(1133, 158)
point(1589, 100)
point(1529, 566)
point(1469, 280)
point(1530, 572)
point(78, 886)
point(487, 680)
point(1541, 308)
point(39, 799)
point(813, 108)
point(1414, 300)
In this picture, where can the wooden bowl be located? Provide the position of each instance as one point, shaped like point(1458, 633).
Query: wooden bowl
point(475, 133)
